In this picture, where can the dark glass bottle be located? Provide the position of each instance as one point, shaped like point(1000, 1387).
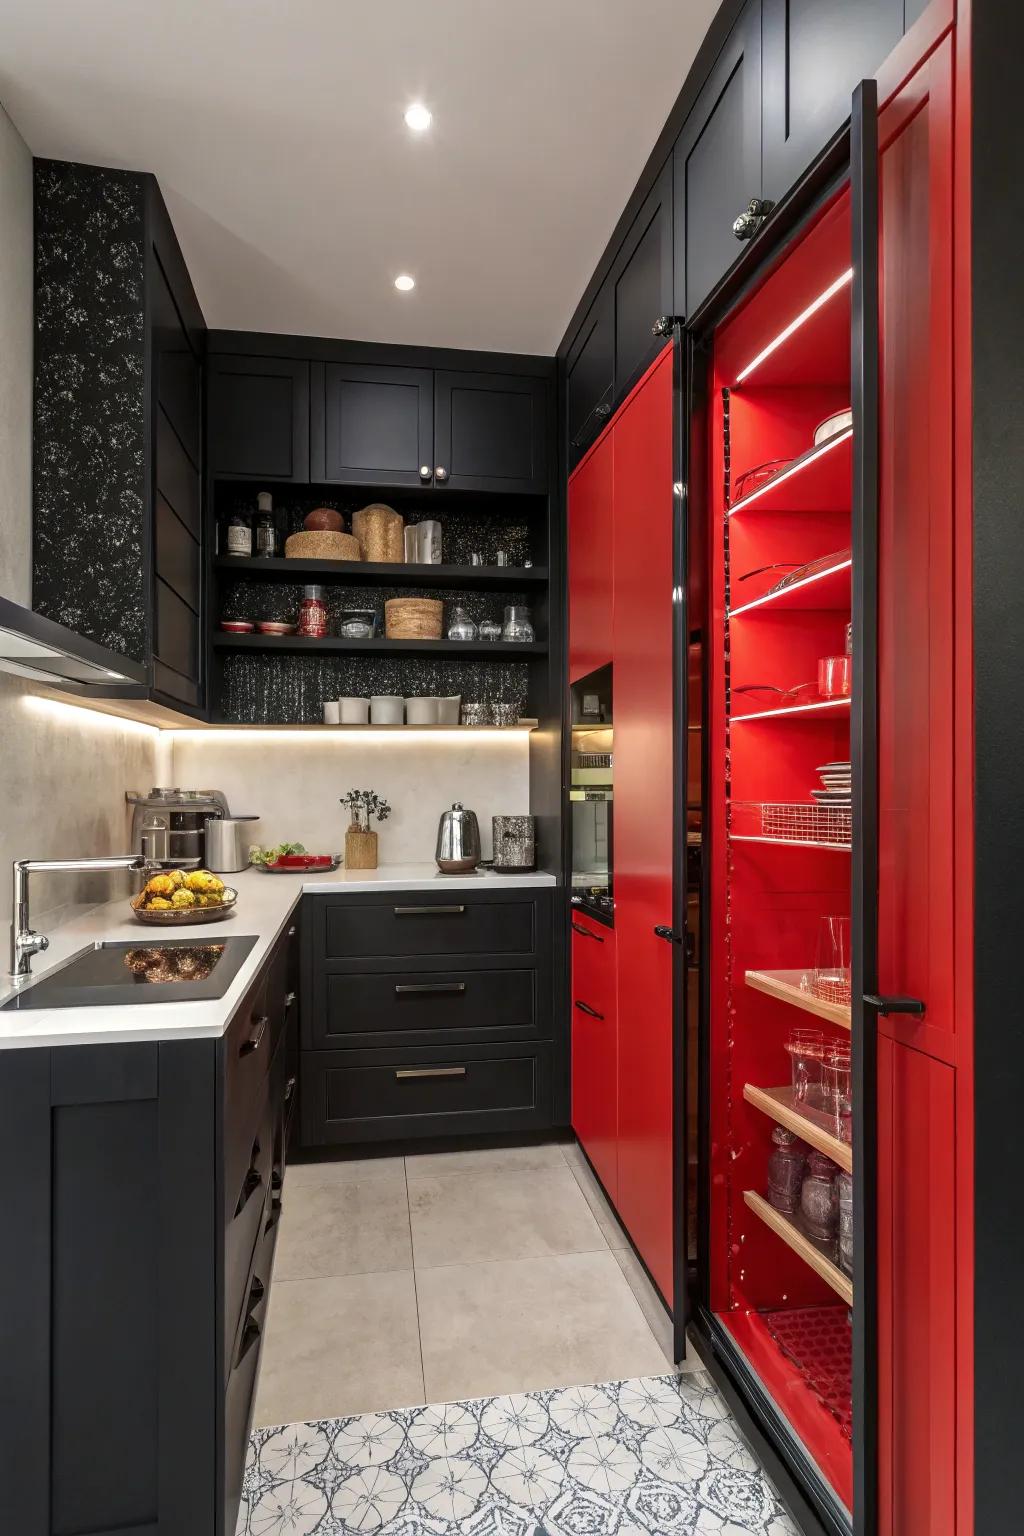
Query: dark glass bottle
point(239, 539)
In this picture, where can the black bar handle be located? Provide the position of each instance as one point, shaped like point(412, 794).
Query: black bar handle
point(427, 911)
point(663, 931)
point(590, 1012)
point(408, 989)
point(579, 928)
point(887, 1005)
point(255, 1040)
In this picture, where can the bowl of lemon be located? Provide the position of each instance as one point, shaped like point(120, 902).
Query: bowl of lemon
point(175, 898)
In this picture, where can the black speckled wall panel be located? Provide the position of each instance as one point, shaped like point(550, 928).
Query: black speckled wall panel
point(89, 458)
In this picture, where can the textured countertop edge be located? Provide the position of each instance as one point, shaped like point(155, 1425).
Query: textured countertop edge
point(265, 905)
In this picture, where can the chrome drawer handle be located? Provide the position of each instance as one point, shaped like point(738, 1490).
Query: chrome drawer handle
point(427, 911)
point(404, 1073)
point(579, 928)
point(407, 989)
point(255, 1040)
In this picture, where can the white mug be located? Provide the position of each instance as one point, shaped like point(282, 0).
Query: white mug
point(332, 715)
point(421, 711)
point(448, 710)
point(354, 711)
point(386, 709)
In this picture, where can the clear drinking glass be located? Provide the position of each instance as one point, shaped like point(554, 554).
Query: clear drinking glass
point(806, 1048)
point(830, 979)
point(836, 1099)
point(844, 1189)
point(517, 624)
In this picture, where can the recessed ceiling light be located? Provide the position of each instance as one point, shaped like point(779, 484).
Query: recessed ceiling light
point(417, 117)
point(403, 282)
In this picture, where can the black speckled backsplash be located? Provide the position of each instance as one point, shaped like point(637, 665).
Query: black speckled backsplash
point(263, 688)
point(89, 458)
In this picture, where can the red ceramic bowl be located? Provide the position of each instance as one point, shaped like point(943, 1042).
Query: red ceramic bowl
point(237, 626)
point(272, 627)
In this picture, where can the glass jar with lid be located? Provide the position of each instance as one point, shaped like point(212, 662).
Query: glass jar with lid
point(786, 1170)
point(490, 629)
point(461, 626)
point(313, 613)
point(517, 624)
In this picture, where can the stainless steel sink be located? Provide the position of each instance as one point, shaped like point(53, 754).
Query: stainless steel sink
point(109, 975)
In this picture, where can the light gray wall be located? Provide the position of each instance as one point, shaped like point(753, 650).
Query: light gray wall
point(63, 772)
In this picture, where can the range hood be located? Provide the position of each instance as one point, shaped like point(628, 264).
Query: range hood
point(35, 647)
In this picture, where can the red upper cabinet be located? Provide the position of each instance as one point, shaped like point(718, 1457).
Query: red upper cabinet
point(590, 562)
point(642, 710)
point(595, 1048)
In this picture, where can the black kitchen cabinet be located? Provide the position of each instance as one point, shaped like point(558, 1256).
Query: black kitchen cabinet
point(641, 280)
point(428, 1013)
point(372, 425)
point(258, 418)
point(815, 51)
point(119, 343)
point(145, 1193)
point(590, 375)
point(717, 163)
point(490, 432)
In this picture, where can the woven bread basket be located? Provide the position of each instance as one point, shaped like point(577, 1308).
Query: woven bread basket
point(321, 544)
point(413, 618)
point(381, 533)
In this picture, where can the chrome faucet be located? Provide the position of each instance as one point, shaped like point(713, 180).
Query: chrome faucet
point(25, 943)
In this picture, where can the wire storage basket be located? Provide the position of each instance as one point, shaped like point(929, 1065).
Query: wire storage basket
point(799, 821)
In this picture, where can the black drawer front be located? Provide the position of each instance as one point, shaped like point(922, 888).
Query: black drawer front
point(367, 1096)
point(249, 1048)
point(419, 1007)
point(415, 925)
point(244, 1227)
point(241, 1389)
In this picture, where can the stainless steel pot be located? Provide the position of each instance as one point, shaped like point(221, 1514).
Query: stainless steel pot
point(227, 843)
point(458, 841)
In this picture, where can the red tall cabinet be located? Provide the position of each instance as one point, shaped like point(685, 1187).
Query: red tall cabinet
point(620, 610)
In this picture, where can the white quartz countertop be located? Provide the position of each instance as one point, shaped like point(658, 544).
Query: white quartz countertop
point(265, 906)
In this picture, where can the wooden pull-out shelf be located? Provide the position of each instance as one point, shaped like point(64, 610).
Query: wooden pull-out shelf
point(785, 985)
point(795, 1239)
point(809, 1124)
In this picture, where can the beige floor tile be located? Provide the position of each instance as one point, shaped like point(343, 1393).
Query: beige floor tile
point(467, 1218)
point(343, 1229)
point(339, 1346)
point(651, 1306)
point(352, 1170)
point(595, 1197)
point(423, 1165)
point(530, 1324)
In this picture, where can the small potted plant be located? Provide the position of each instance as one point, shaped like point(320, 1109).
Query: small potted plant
point(360, 841)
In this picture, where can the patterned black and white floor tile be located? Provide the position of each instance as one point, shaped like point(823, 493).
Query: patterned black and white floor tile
point(656, 1454)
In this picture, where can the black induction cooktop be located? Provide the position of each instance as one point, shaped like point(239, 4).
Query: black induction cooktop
point(166, 971)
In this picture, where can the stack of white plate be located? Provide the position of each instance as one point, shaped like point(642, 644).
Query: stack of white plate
point(837, 785)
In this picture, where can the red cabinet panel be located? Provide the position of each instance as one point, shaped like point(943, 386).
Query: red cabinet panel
point(590, 562)
point(642, 709)
point(595, 1087)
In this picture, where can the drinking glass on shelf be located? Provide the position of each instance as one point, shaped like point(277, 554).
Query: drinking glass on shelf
point(836, 1090)
point(844, 1190)
point(830, 979)
point(806, 1048)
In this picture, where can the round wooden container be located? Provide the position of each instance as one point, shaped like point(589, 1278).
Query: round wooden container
point(381, 533)
point(413, 618)
point(321, 544)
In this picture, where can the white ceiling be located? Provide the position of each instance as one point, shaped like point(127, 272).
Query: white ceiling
point(298, 193)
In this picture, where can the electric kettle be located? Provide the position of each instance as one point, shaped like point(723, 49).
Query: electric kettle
point(458, 841)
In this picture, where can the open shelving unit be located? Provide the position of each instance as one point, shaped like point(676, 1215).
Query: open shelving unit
point(376, 573)
point(780, 367)
point(332, 645)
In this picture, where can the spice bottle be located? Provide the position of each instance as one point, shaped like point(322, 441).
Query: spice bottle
point(313, 613)
point(266, 529)
point(239, 540)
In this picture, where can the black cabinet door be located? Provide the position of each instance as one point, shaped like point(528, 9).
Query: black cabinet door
point(590, 375)
point(490, 431)
point(717, 163)
point(373, 424)
point(814, 52)
point(258, 418)
point(642, 285)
